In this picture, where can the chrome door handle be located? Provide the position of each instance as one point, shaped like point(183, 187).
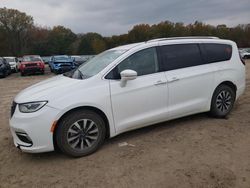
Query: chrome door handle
point(174, 79)
point(160, 82)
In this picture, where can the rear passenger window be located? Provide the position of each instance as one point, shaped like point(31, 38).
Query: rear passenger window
point(180, 56)
point(217, 52)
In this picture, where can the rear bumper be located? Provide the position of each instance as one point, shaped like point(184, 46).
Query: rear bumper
point(240, 90)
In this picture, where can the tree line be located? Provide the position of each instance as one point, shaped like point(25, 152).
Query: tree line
point(19, 36)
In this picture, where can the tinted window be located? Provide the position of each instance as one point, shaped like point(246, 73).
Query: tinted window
point(180, 56)
point(217, 52)
point(143, 62)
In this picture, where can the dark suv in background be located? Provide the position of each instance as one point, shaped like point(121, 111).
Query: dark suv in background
point(5, 68)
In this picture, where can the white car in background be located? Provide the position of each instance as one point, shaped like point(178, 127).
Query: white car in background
point(13, 62)
point(126, 88)
point(245, 53)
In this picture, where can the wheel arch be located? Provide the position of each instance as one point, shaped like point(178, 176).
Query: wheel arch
point(228, 83)
point(212, 103)
point(94, 109)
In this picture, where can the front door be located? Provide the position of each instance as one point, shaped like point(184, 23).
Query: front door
point(142, 101)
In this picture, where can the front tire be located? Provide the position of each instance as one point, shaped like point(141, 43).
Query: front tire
point(80, 133)
point(222, 101)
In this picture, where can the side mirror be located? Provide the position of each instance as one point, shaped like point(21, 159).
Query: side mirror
point(127, 75)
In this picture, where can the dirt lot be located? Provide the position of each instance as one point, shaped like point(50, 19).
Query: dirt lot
point(195, 151)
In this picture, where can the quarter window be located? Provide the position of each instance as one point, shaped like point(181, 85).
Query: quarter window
point(180, 56)
point(217, 52)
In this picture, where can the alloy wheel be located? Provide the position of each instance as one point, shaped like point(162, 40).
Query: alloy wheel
point(82, 134)
point(224, 101)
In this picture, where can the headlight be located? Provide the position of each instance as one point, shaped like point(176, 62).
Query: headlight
point(31, 106)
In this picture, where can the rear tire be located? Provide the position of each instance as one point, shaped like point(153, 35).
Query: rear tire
point(222, 101)
point(80, 133)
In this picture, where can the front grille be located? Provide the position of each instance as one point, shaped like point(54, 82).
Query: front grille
point(65, 65)
point(24, 138)
point(30, 65)
point(13, 108)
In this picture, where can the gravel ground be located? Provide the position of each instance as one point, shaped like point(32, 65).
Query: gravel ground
point(195, 151)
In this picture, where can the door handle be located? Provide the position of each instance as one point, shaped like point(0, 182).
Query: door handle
point(160, 82)
point(174, 79)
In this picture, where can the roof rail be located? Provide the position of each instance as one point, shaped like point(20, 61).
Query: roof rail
point(176, 38)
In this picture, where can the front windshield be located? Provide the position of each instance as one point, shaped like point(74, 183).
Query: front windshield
point(31, 58)
point(99, 62)
point(62, 57)
point(8, 59)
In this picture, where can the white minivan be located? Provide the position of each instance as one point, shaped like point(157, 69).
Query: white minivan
point(126, 88)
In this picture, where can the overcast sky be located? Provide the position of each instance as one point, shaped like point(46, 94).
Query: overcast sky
point(110, 17)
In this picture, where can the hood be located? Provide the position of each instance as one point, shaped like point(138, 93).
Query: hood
point(47, 89)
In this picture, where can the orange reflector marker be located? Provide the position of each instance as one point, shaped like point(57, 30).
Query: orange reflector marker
point(53, 127)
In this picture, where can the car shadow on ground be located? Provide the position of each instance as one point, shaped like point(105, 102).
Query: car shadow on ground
point(172, 125)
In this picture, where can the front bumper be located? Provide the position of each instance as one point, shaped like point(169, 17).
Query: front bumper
point(13, 67)
point(63, 69)
point(32, 69)
point(36, 126)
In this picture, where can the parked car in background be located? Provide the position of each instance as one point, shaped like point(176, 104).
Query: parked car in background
point(31, 64)
point(61, 63)
point(126, 88)
point(5, 68)
point(78, 60)
point(46, 59)
point(13, 61)
point(19, 60)
point(87, 57)
point(245, 53)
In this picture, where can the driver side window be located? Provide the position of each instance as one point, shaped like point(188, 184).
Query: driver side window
point(143, 62)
